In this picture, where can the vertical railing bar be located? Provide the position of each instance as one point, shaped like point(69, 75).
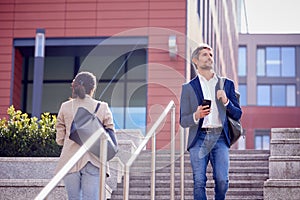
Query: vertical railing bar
point(153, 166)
point(172, 164)
point(182, 150)
point(126, 183)
point(102, 169)
point(149, 135)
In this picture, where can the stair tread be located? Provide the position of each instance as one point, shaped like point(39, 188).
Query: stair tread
point(247, 173)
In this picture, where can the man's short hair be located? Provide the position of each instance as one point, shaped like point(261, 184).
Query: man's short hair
point(196, 52)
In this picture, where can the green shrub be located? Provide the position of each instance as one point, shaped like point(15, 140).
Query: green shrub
point(23, 136)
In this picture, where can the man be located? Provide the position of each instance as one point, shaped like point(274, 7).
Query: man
point(208, 139)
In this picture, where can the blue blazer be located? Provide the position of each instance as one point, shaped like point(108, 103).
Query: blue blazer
point(192, 97)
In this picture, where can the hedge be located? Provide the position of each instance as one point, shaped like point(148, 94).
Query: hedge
point(22, 136)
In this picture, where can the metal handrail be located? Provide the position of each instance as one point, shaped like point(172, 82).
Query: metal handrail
point(152, 134)
point(75, 158)
point(182, 150)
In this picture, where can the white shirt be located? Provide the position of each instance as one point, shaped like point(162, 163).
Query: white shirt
point(212, 120)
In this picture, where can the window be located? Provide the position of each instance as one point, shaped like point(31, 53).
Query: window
point(122, 79)
point(123, 86)
point(242, 61)
point(263, 95)
point(288, 62)
point(273, 61)
point(276, 95)
point(276, 61)
point(291, 95)
point(260, 63)
point(262, 139)
point(56, 86)
point(243, 94)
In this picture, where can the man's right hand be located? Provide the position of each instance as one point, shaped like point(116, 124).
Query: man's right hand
point(202, 111)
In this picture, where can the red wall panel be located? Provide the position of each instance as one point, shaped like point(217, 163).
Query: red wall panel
point(6, 7)
point(129, 6)
point(93, 18)
point(39, 24)
point(82, 6)
point(79, 32)
point(277, 117)
point(39, 16)
point(83, 15)
point(40, 7)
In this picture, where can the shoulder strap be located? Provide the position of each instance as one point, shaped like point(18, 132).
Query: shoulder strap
point(222, 81)
point(97, 107)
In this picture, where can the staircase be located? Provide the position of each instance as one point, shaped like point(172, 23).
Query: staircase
point(248, 171)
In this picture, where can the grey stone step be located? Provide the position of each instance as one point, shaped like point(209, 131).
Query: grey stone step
point(243, 170)
point(248, 171)
point(285, 133)
point(165, 183)
point(146, 166)
point(233, 193)
point(28, 189)
point(27, 168)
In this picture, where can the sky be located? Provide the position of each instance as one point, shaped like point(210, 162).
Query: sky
point(272, 16)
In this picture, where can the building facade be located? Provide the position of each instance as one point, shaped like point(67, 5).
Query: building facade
point(139, 50)
point(268, 71)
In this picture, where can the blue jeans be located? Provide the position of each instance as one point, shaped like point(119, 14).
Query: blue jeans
point(213, 148)
point(83, 184)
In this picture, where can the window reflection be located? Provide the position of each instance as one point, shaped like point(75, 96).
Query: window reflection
point(262, 139)
point(276, 61)
point(288, 62)
point(263, 95)
point(273, 61)
point(276, 95)
point(260, 62)
point(242, 59)
point(243, 94)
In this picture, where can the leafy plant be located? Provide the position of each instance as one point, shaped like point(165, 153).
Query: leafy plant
point(23, 136)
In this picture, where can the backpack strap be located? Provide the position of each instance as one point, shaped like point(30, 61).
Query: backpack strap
point(222, 82)
point(97, 107)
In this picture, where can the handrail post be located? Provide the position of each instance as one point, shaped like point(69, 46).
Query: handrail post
point(172, 184)
point(153, 166)
point(126, 183)
point(150, 135)
point(182, 149)
point(102, 169)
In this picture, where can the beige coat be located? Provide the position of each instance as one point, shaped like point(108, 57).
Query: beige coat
point(63, 124)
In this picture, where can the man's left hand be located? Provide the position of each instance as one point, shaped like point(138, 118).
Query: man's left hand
point(221, 95)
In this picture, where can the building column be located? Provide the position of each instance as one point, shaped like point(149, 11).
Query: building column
point(38, 76)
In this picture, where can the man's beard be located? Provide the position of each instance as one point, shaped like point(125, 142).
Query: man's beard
point(207, 67)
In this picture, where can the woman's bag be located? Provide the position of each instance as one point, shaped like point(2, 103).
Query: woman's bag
point(85, 124)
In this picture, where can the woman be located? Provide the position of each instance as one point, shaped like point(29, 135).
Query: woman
point(82, 181)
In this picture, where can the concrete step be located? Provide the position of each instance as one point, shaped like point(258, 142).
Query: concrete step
point(248, 171)
point(28, 189)
point(232, 194)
